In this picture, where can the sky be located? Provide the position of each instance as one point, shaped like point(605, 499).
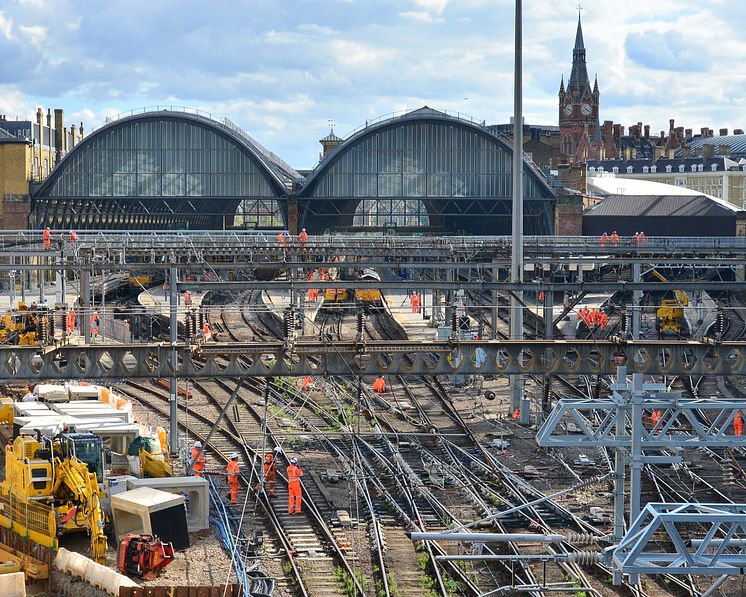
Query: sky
point(282, 69)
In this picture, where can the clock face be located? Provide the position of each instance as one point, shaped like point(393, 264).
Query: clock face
point(586, 109)
point(568, 109)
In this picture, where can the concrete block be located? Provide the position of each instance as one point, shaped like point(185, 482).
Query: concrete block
point(94, 574)
point(153, 512)
point(196, 492)
point(12, 585)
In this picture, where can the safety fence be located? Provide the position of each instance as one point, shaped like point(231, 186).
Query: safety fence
point(233, 590)
point(29, 520)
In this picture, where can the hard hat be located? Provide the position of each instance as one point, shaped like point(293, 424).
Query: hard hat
point(304, 230)
point(234, 456)
point(198, 444)
point(278, 449)
point(293, 461)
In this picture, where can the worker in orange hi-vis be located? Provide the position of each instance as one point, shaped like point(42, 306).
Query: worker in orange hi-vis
point(73, 236)
point(603, 240)
point(307, 382)
point(636, 239)
point(270, 472)
point(303, 238)
point(187, 299)
point(516, 414)
point(614, 239)
point(738, 424)
point(47, 235)
point(198, 463)
point(655, 417)
point(603, 319)
point(641, 239)
point(281, 239)
point(206, 331)
point(232, 471)
point(294, 473)
point(70, 322)
point(95, 324)
point(379, 385)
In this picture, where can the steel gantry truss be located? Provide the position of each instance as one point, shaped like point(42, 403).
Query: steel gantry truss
point(707, 539)
point(111, 361)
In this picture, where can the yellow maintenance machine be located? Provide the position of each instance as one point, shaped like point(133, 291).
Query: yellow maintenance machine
point(671, 312)
point(24, 326)
point(51, 487)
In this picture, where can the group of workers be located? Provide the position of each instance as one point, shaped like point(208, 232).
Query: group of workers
point(313, 275)
point(606, 240)
point(283, 238)
point(593, 318)
point(233, 471)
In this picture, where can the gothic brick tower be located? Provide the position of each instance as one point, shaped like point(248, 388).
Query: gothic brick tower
point(579, 108)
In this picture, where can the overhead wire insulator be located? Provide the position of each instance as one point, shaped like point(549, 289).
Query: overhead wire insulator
point(200, 320)
point(360, 321)
point(288, 323)
point(719, 323)
point(454, 322)
point(586, 558)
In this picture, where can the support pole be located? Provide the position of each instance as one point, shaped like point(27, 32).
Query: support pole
point(637, 397)
point(495, 302)
point(174, 328)
point(619, 470)
point(85, 301)
point(516, 270)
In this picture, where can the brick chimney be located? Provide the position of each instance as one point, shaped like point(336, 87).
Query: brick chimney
point(647, 131)
point(688, 133)
point(59, 134)
point(703, 132)
point(738, 131)
point(618, 131)
point(723, 132)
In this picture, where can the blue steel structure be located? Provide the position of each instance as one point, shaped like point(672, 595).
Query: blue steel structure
point(422, 172)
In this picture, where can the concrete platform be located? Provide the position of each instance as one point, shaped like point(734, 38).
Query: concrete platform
point(156, 301)
point(700, 317)
point(196, 490)
point(418, 328)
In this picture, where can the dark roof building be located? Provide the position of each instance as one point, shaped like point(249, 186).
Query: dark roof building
point(660, 215)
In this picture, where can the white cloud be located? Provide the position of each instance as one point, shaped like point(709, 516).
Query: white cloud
point(436, 6)
point(36, 34)
point(6, 26)
point(419, 15)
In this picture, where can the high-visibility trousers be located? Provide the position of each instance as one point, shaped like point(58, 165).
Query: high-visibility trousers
point(294, 497)
point(233, 491)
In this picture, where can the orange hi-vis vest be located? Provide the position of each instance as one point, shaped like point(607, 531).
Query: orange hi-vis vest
point(294, 474)
point(198, 464)
point(233, 470)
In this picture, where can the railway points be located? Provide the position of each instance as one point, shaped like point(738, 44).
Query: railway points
point(390, 475)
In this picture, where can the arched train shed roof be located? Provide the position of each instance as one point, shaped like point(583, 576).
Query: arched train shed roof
point(421, 115)
point(278, 174)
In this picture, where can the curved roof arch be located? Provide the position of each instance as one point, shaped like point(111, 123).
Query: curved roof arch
point(421, 115)
point(279, 176)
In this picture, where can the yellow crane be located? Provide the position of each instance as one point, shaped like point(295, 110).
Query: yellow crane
point(59, 474)
point(671, 311)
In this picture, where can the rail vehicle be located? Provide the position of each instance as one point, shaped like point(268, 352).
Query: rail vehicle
point(370, 297)
point(140, 279)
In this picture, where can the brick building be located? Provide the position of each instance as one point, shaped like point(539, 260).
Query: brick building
point(29, 150)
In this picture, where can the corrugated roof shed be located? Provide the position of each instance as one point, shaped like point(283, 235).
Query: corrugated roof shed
point(659, 205)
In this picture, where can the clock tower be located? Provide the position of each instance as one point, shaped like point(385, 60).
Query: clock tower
point(579, 107)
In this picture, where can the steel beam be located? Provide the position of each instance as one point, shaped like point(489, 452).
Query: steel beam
point(660, 540)
point(685, 423)
point(112, 361)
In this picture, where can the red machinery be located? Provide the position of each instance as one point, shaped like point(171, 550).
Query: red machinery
point(144, 555)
